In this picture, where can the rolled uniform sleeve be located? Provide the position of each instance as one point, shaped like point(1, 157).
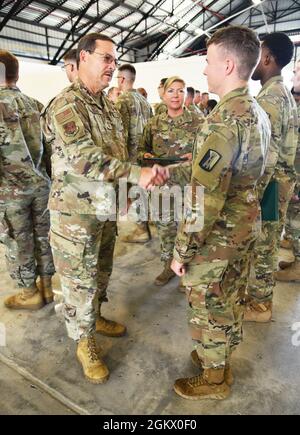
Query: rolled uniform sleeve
point(211, 169)
point(84, 157)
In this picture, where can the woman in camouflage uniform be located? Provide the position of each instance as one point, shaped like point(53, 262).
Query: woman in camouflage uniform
point(166, 135)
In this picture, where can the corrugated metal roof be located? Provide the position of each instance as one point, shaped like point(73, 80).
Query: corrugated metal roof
point(162, 25)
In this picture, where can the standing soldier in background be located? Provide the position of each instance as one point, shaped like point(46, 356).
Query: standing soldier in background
point(24, 192)
point(228, 160)
point(135, 113)
point(291, 270)
point(170, 134)
point(113, 94)
point(143, 92)
point(197, 98)
point(189, 101)
point(70, 65)
point(89, 155)
point(204, 102)
point(277, 101)
point(296, 79)
point(160, 107)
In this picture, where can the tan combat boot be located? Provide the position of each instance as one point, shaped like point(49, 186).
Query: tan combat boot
point(286, 244)
point(289, 274)
point(45, 288)
point(258, 312)
point(228, 375)
point(167, 274)
point(93, 367)
point(28, 299)
point(141, 234)
point(109, 328)
point(209, 385)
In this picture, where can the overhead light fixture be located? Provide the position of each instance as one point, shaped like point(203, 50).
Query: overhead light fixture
point(256, 2)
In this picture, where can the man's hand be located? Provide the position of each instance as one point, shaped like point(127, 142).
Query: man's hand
point(188, 156)
point(178, 268)
point(155, 176)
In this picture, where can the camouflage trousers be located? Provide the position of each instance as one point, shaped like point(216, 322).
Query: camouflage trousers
point(166, 228)
point(266, 250)
point(83, 250)
point(292, 225)
point(167, 232)
point(216, 301)
point(24, 230)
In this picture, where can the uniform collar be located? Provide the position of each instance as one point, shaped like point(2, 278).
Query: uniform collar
point(95, 99)
point(275, 79)
point(239, 92)
point(13, 88)
point(185, 117)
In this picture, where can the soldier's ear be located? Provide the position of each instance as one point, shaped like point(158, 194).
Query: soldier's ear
point(83, 55)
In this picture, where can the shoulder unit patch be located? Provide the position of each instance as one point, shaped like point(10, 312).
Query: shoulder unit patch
point(210, 160)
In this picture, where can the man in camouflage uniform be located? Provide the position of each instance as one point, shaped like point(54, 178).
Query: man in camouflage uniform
point(135, 112)
point(160, 107)
point(296, 79)
point(204, 103)
point(277, 101)
point(113, 94)
point(189, 101)
point(291, 270)
point(197, 98)
point(70, 65)
point(24, 191)
point(170, 134)
point(89, 155)
point(228, 160)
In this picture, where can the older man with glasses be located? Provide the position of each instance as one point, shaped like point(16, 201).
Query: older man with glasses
point(89, 156)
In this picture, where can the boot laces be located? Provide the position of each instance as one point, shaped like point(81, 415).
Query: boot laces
point(92, 349)
point(197, 381)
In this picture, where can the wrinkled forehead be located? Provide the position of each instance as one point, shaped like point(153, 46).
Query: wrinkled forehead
point(106, 47)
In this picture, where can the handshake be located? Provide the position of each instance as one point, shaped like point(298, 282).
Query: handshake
point(155, 176)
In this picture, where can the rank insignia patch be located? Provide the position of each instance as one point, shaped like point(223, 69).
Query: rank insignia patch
point(210, 160)
point(70, 128)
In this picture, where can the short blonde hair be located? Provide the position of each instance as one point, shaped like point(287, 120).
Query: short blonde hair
point(171, 80)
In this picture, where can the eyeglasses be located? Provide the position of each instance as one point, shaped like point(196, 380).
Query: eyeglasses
point(107, 58)
point(65, 65)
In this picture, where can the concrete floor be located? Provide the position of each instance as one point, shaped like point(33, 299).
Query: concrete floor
point(40, 375)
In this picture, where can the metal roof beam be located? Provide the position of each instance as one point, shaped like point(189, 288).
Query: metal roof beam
point(14, 9)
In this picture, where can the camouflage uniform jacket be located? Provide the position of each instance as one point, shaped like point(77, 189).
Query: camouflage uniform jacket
point(228, 160)
point(88, 150)
point(165, 136)
point(278, 102)
point(135, 112)
point(21, 148)
point(160, 108)
point(195, 109)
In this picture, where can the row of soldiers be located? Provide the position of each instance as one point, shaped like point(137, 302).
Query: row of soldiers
point(233, 153)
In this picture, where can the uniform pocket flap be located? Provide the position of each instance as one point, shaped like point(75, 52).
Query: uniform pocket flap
point(62, 243)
